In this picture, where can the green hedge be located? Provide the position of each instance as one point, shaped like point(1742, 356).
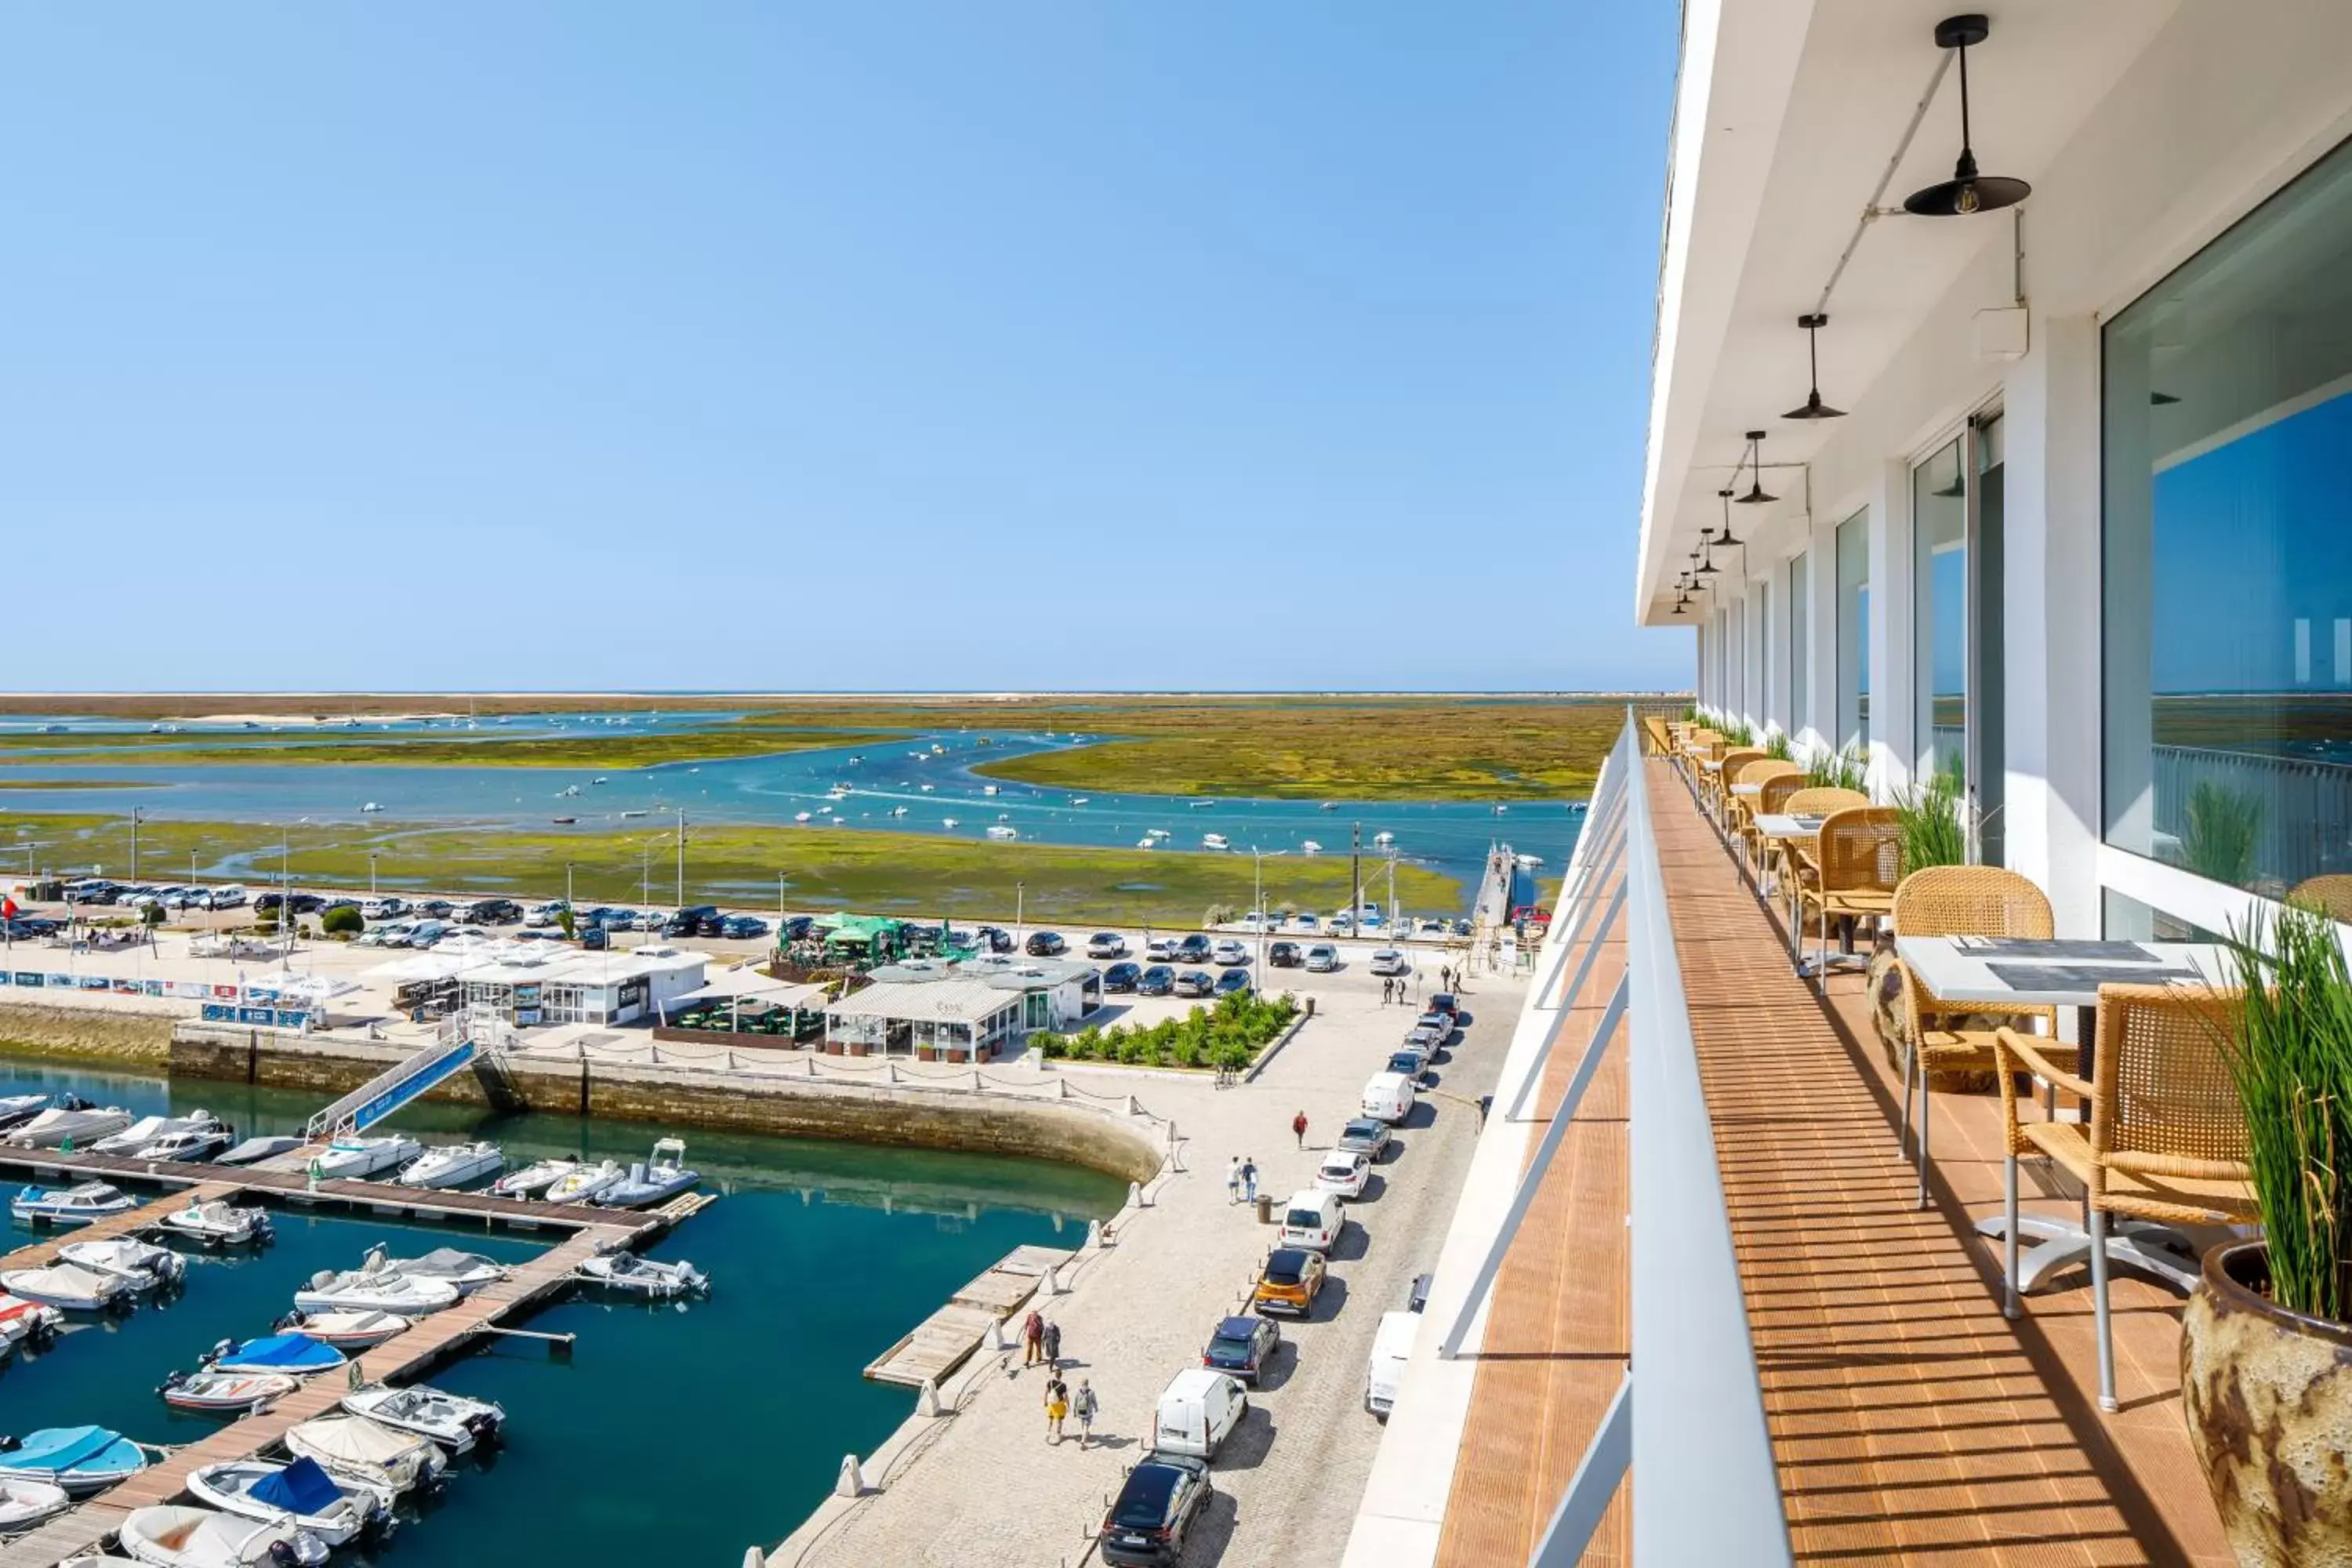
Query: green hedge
point(1228, 1035)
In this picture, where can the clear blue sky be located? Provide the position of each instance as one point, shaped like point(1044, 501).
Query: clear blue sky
point(919, 344)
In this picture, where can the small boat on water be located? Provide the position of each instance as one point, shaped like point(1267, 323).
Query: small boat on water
point(301, 1493)
point(455, 1422)
point(189, 1146)
point(370, 807)
point(23, 1504)
point(988, 789)
point(660, 1178)
point(345, 1331)
point(800, 816)
point(645, 1276)
point(76, 1121)
point(1383, 840)
point(144, 1131)
point(1000, 831)
point(1080, 799)
point(469, 1271)
point(226, 1393)
point(65, 1286)
point(1199, 804)
point(1147, 842)
point(374, 1289)
point(21, 1320)
point(173, 1535)
point(78, 1205)
point(17, 1108)
point(143, 1263)
point(1214, 841)
point(216, 1224)
point(295, 1355)
point(253, 1150)
point(358, 1448)
point(532, 1179)
point(366, 1156)
point(563, 821)
point(1310, 848)
point(947, 821)
point(79, 1460)
point(584, 1184)
point(453, 1165)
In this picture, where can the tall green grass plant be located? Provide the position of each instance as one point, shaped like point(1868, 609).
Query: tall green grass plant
point(2222, 829)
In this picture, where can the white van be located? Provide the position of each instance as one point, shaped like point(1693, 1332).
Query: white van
point(1311, 1219)
point(1198, 1409)
point(1389, 1097)
point(1392, 1347)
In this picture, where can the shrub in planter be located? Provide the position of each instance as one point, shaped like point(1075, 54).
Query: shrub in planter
point(343, 920)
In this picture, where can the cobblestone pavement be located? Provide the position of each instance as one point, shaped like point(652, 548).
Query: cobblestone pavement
point(992, 1490)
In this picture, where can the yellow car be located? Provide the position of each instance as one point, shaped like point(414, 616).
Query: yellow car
point(1287, 1286)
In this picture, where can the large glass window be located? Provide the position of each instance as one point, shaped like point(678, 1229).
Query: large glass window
point(1853, 630)
point(1939, 610)
point(1800, 677)
point(2227, 550)
point(1760, 644)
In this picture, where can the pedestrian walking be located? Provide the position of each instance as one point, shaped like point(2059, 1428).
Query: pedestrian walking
point(1388, 988)
point(1053, 1337)
point(1083, 1405)
point(1298, 1128)
point(1033, 1338)
point(1249, 1180)
point(1233, 1181)
point(1057, 1408)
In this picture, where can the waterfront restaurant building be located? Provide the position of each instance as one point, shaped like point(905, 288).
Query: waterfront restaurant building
point(2062, 513)
point(545, 984)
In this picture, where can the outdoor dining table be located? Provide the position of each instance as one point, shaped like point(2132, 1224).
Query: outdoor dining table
point(1777, 826)
point(1748, 789)
point(2004, 973)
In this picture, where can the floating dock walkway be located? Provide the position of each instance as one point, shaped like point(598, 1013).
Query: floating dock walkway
point(946, 1339)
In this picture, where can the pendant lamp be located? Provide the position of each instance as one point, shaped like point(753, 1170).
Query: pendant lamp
point(1726, 541)
point(1967, 191)
point(1814, 407)
point(1755, 496)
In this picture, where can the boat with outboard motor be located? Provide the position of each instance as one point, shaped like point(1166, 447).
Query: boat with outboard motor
point(345, 1331)
point(143, 1263)
point(296, 1355)
point(586, 1183)
point(532, 1179)
point(360, 1449)
point(175, 1535)
point(453, 1165)
point(80, 1459)
point(452, 1420)
point(20, 1108)
point(469, 1271)
point(78, 1205)
point(72, 1120)
point(189, 1146)
point(374, 1288)
point(21, 1320)
point(216, 1223)
point(337, 1511)
point(644, 1275)
point(355, 1157)
point(663, 1176)
point(149, 1130)
point(226, 1393)
point(66, 1286)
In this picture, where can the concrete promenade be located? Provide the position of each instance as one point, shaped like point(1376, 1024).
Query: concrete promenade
point(982, 1484)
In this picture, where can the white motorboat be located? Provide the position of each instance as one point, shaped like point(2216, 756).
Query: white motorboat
point(173, 1535)
point(1000, 831)
point(347, 1330)
point(371, 806)
point(65, 1286)
point(453, 1165)
point(455, 1422)
point(336, 1511)
point(76, 1205)
point(143, 1263)
point(663, 1176)
point(226, 1393)
point(189, 1146)
point(17, 1108)
point(1312, 848)
point(947, 821)
point(469, 1271)
point(360, 1449)
point(253, 1150)
point(216, 1223)
point(26, 1503)
point(78, 1124)
point(351, 1157)
point(1214, 841)
point(532, 1179)
point(645, 1276)
point(374, 1289)
point(586, 1183)
point(1383, 840)
point(800, 816)
point(148, 1128)
point(1147, 842)
point(23, 1320)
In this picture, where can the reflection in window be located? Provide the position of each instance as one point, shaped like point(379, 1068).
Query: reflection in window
point(1939, 587)
point(1853, 630)
point(1800, 608)
point(2227, 550)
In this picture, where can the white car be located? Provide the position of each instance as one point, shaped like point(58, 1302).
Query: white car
point(1322, 957)
point(382, 908)
point(229, 897)
point(540, 916)
point(1105, 944)
point(1388, 960)
point(1230, 952)
point(1343, 1175)
point(1305, 922)
point(1341, 924)
point(1161, 950)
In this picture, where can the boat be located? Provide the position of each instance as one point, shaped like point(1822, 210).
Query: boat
point(371, 806)
point(136, 1139)
point(374, 1289)
point(897, 811)
point(226, 1393)
point(1080, 799)
point(65, 1287)
point(927, 788)
point(1528, 862)
point(78, 1459)
point(1383, 840)
point(584, 1184)
point(17, 1108)
point(346, 1330)
point(532, 1179)
point(663, 1176)
point(215, 1224)
point(563, 821)
point(143, 1263)
point(77, 1121)
point(469, 1271)
point(366, 1156)
point(355, 1446)
point(988, 789)
point(947, 821)
point(125, 1139)
point(455, 1422)
point(1160, 833)
point(999, 831)
point(301, 1493)
point(173, 1535)
point(78, 1205)
point(626, 815)
point(1310, 848)
point(1330, 806)
point(253, 1150)
point(453, 1165)
point(23, 1504)
point(800, 816)
point(22, 1319)
point(1214, 841)
point(1147, 842)
point(1199, 805)
point(189, 1146)
point(296, 1355)
point(627, 1272)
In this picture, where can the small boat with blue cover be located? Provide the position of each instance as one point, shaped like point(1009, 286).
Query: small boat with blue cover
point(337, 1512)
point(81, 1459)
point(298, 1355)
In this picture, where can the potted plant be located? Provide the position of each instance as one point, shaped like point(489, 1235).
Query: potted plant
point(2266, 1341)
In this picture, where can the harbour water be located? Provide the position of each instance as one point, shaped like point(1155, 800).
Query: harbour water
point(676, 1434)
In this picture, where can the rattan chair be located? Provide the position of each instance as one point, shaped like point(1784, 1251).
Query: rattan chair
point(1717, 782)
point(1741, 809)
point(1815, 800)
point(1654, 730)
point(2167, 1139)
point(1963, 901)
point(2330, 895)
point(1853, 874)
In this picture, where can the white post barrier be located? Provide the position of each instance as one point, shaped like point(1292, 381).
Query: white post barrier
point(1135, 1194)
point(851, 1482)
point(1094, 1234)
point(927, 1398)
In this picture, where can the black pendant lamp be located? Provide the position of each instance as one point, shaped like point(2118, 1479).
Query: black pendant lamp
point(1726, 541)
point(1967, 191)
point(1755, 496)
point(1814, 407)
point(1706, 568)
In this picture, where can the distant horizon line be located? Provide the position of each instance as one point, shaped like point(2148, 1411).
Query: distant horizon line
point(998, 694)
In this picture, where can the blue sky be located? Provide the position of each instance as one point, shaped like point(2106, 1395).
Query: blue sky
point(760, 344)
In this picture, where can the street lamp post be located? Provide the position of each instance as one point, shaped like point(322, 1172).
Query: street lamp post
point(681, 857)
point(371, 872)
point(1020, 890)
point(137, 815)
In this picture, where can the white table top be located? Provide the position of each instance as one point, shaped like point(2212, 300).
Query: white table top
point(1712, 764)
point(1960, 968)
point(1748, 789)
point(1775, 825)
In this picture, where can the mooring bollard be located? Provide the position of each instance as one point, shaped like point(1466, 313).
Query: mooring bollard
point(1053, 1281)
point(1135, 1194)
point(927, 1398)
point(978, 1085)
point(1131, 1109)
point(889, 1072)
point(755, 1558)
point(851, 1480)
point(1061, 1089)
point(1094, 1233)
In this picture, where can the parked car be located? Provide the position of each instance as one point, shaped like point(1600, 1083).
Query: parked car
point(538, 917)
point(1192, 949)
point(794, 928)
point(1243, 1347)
point(742, 928)
point(1196, 982)
point(1232, 983)
point(1444, 1002)
point(1122, 977)
point(1364, 1136)
point(1384, 1372)
point(1159, 980)
point(1341, 924)
point(1388, 960)
point(382, 908)
point(192, 898)
point(1408, 1061)
point(1389, 1097)
point(492, 912)
point(1259, 921)
point(1322, 959)
point(1163, 948)
point(1439, 1024)
point(1311, 1218)
point(392, 935)
point(1147, 1522)
point(1197, 1412)
point(1343, 1175)
point(593, 939)
point(998, 938)
point(1045, 944)
point(424, 934)
point(1230, 952)
point(1288, 1284)
point(1423, 1039)
point(1285, 955)
point(689, 922)
point(431, 908)
point(1432, 927)
point(1305, 921)
point(1105, 944)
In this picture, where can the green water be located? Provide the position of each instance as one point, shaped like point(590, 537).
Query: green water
point(677, 1433)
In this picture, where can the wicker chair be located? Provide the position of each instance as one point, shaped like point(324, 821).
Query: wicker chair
point(1717, 782)
point(2167, 1139)
point(1852, 873)
point(2330, 896)
point(1963, 901)
point(1742, 809)
point(1653, 730)
point(1817, 800)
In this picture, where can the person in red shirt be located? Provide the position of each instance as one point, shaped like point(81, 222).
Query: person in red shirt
point(1298, 1128)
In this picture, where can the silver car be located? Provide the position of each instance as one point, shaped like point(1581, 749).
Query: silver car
point(1322, 959)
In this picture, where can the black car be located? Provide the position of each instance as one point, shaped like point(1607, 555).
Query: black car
point(1193, 949)
point(1285, 955)
point(493, 912)
point(1122, 977)
point(1047, 945)
point(1157, 980)
point(689, 921)
point(796, 928)
point(1154, 1509)
point(1196, 982)
point(1243, 1347)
